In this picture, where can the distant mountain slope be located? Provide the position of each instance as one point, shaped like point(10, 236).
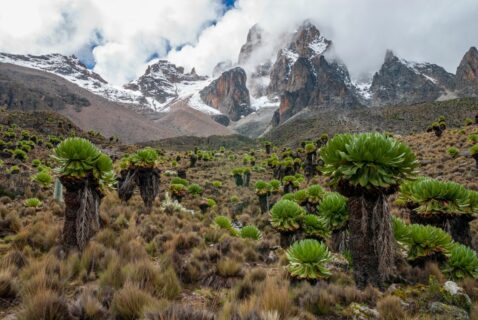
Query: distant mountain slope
point(87, 110)
point(405, 119)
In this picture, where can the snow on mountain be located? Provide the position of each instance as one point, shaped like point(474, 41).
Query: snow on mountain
point(74, 71)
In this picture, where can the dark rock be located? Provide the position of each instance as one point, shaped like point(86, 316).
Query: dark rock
point(221, 119)
point(229, 94)
point(402, 82)
point(467, 74)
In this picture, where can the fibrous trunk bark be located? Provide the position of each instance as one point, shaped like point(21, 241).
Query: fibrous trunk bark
point(340, 240)
point(370, 238)
point(126, 183)
point(82, 201)
point(264, 203)
point(148, 182)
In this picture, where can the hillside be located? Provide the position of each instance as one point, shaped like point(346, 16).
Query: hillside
point(29, 89)
point(396, 119)
point(175, 262)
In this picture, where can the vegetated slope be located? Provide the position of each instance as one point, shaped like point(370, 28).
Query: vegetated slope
point(396, 119)
point(174, 262)
point(38, 90)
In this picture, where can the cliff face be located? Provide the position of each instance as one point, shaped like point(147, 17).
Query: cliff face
point(304, 77)
point(229, 94)
point(467, 74)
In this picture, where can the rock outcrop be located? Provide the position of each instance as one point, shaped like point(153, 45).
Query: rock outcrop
point(229, 94)
point(467, 74)
point(304, 77)
point(160, 79)
point(403, 82)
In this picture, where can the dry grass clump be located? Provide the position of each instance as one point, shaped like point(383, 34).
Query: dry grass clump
point(8, 286)
point(228, 267)
point(178, 311)
point(87, 306)
point(150, 278)
point(45, 305)
point(390, 308)
point(129, 302)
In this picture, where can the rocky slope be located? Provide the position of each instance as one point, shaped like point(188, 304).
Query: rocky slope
point(467, 74)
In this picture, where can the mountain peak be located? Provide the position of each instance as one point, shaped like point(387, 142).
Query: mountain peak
point(390, 56)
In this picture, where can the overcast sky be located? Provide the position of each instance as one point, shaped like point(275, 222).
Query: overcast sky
point(118, 37)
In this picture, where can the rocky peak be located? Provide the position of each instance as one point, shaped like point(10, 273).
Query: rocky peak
point(404, 82)
point(254, 41)
point(160, 81)
point(308, 41)
point(467, 73)
point(229, 94)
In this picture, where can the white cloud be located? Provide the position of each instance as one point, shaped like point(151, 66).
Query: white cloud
point(438, 31)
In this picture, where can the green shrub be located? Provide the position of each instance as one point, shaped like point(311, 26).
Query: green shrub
point(217, 184)
point(431, 196)
point(32, 202)
point(211, 203)
point(315, 226)
point(195, 189)
point(474, 150)
point(473, 137)
point(78, 158)
point(43, 178)
point(250, 232)
point(462, 262)
point(13, 170)
point(285, 215)
point(20, 154)
point(421, 241)
point(36, 163)
point(275, 186)
point(262, 188)
point(368, 160)
point(308, 259)
point(145, 158)
point(453, 152)
point(333, 208)
point(468, 121)
point(223, 222)
point(315, 193)
point(177, 180)
point(301, 196)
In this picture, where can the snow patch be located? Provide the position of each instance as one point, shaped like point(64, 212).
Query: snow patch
point(319, 45)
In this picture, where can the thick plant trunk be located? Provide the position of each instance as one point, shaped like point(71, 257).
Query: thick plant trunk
point(238, 179)
point(82, 202)
point(126, 183)
point(340, 240)
point(264, 203)
point(370, 238)
point(458, 226)
point(148, 182)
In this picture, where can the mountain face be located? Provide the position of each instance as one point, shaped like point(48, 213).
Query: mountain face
point(304, 77)
point(161, 81)
point(467, 74)
point(229, 94)
point(402, 82)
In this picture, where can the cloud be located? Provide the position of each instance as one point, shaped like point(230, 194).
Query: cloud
point(120, 35)
point(438, 31)
point(124, 34)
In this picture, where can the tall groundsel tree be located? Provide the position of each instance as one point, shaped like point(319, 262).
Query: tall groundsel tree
point(86, 173)
point(367, 168)
point(141, 169)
